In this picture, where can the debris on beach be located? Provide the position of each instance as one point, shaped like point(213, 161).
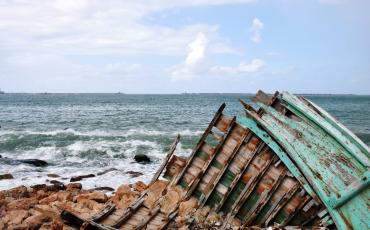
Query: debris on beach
point(286, 162)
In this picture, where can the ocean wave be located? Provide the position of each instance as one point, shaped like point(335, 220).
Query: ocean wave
point(102, 133)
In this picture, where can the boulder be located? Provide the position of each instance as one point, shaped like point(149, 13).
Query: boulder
point(36, 221)
point(142, 158)
point(62, 196)
point(124, 196)
point(73, 186)
point(96, 196)
point(78, 178)
point(15, 217)
point(17, 192)
point(34, 162)
point(139, 186)
point(6, 176)
point(23, 203)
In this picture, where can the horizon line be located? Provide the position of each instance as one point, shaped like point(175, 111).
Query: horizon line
point(184, 93)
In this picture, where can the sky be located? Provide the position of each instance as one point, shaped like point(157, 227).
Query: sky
point(176, 46)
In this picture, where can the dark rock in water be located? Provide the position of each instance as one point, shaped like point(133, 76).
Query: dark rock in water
point(134, 174)
point(78, 178)
point(56, 186)
point(104, 188)
point(6, 176)
point(56, 182)
point(142, 158)
point(106, 171)
point(73, 186)
point(40, 187)
point(52, 175)
point(34, 162)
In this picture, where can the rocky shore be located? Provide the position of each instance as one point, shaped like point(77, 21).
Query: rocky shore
point(40, 206)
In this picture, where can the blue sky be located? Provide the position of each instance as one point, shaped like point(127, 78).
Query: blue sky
point(234, 46)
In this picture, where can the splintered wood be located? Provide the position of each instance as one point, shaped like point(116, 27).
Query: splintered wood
point(232, 179)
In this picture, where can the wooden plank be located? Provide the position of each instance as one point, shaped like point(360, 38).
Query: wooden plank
point(105, 212)
point(75, 220)
point(205, 134)
point(212, 185)
point(167, 158)
point(218, 147)
point(248, 190)
point(259, 147)
point(264, 199)
point(129, 212)
point(150, 216)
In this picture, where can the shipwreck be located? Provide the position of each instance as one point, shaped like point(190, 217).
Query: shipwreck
point(287, 163)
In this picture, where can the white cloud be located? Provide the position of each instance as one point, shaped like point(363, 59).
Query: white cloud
point(253, 67)
point(256, 28)
point(194, 61)
point(101, 27)
point(197, 50)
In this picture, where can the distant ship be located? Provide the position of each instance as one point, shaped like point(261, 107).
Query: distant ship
point(2, 92)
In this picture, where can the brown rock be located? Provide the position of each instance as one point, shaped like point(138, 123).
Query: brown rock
point(96, 196)
point(24, 203)
point(6, 176)
point(15, 217)
point(17, 192)
point(41, 194)
point(62, 196)
point(91, 205)
point(73, 186)
point(139, 186)
point(124, 196)
point(36, 221)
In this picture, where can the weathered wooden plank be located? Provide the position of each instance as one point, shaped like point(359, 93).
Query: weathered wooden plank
point(257, 150)
point(166, 159)
point(205, 134)
point(245, 136)
point(264, 199)
point(106, 211)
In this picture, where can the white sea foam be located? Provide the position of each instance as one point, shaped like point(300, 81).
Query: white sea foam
point(74, 159)
point(102, 133)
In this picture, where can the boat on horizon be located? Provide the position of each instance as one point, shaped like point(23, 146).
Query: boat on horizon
point(2, 92)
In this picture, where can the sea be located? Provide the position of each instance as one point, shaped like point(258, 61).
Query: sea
point(79, 134)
